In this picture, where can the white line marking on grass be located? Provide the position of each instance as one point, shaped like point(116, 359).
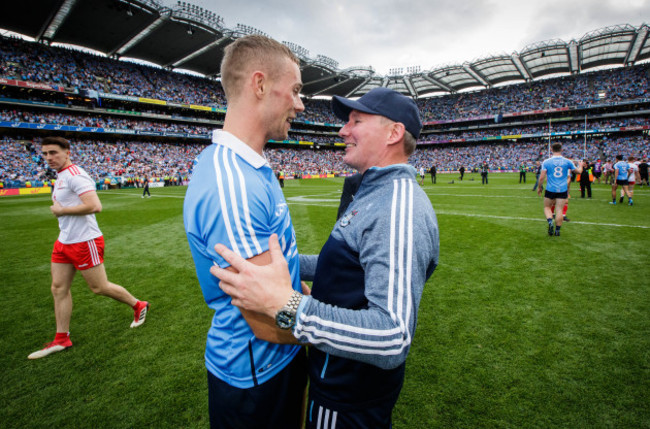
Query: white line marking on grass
point(483, 196)
point(442, 212)
point(308, 199)
point(140, 196)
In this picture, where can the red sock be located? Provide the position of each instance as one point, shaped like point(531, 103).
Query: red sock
point(138, 305)
point(62, 336)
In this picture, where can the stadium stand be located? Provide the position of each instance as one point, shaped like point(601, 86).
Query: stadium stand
point(130, 120)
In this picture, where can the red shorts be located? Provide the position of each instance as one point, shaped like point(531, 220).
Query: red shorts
point(84, 255)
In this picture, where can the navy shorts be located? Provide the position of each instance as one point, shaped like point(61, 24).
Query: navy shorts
point(556, 195)
point(622, 182)
point(274, 404)
point(319, 416)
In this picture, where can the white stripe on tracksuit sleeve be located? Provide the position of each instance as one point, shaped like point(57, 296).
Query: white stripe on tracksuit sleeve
point(397, 254)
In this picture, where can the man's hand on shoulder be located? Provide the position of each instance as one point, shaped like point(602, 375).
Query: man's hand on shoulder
point(263, 289)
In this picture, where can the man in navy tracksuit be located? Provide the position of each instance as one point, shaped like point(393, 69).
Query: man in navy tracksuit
point(368, 278)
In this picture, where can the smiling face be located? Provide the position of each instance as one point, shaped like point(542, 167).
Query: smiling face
point(56, 157)
point(283, 102)
point(365, 138)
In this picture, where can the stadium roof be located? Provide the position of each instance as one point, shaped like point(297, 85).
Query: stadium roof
point(186, 36)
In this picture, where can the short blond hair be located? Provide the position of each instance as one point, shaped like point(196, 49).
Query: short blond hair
point(248, 53)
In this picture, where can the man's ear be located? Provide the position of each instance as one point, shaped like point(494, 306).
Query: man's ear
point(396, 135)
point(259, 83)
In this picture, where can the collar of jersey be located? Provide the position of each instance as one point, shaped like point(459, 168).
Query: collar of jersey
point(374, 173)
point(224, 138)
point(62, 170)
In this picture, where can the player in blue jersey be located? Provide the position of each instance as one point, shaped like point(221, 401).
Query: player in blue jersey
point(368, 277)
point(555, 171)
point(621, 172)
point(234, 198)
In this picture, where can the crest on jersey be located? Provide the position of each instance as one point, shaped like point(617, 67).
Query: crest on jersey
point(345, 220)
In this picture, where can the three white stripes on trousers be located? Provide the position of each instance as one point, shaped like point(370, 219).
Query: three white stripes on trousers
point(326, 418)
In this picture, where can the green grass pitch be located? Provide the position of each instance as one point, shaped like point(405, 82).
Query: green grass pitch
point(516, 329)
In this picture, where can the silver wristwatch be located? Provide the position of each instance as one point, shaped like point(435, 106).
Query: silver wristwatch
point(286, 317)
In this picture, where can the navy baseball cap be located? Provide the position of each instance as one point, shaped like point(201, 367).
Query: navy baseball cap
point(385, 102)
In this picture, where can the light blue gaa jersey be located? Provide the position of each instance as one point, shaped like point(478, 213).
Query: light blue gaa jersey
point(557, 170)
point(234, 198)
point(623, 170)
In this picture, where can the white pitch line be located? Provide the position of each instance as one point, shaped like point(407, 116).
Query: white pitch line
point(140, 196)
point(482, 196)
point(314, 202)
point(307, 199)
point(442, 212)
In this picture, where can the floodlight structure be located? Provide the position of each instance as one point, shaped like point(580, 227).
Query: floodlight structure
point(300, 52)
point(242, 30)
point(199, 15)
point(327, 61)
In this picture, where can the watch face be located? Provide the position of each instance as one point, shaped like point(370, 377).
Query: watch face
point(285, 319)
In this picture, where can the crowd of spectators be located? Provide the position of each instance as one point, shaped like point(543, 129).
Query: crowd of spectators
point(504, 157)
point(509, 156)
point(605, 86)
point(119, 122)
point(328, 139)
point(34, 62)
point(25, 61)
point(100, 121)
point(535, 129)
point(626, 146)
point(306, 161)
point(21, 161)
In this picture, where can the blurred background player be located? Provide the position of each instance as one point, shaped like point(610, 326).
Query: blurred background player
point(565, 209)
point(643, 172)
point(538, 171)
point(80, 245)
point(598, 170)
point(633, 177)
point(586, 177)
point(146, 187)
point(621, 171)
point(609, 173)
point(485, 169)
point(556, 170)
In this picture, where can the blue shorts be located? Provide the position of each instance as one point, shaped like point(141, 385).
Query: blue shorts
point(556, 195)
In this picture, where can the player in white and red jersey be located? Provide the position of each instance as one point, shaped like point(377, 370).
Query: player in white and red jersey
point(80, 245)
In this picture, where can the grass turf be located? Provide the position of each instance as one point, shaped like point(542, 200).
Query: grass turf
point(515, 329)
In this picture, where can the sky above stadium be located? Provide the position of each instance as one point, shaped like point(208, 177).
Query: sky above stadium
point(388, 34)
